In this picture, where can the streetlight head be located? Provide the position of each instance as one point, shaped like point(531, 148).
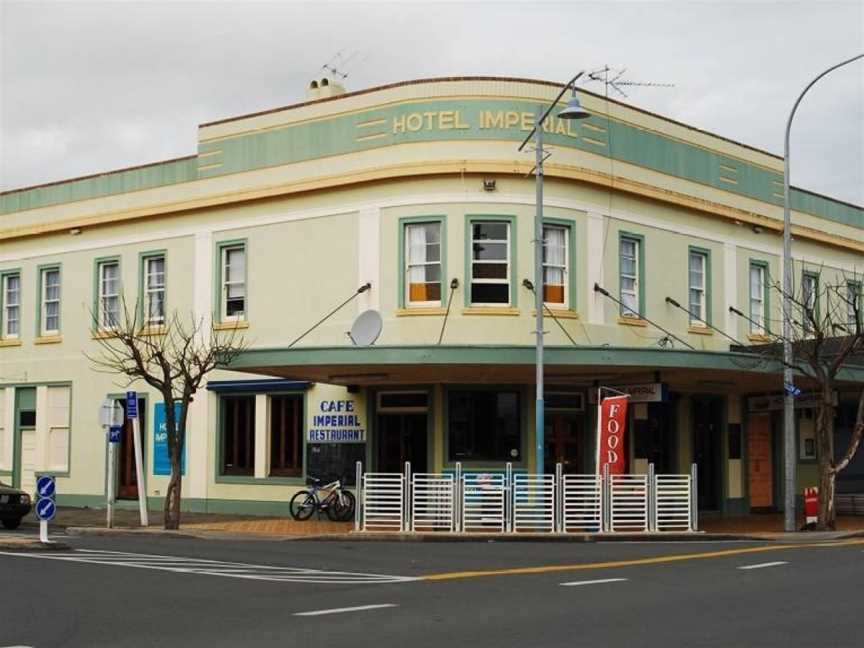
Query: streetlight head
point(574, 109)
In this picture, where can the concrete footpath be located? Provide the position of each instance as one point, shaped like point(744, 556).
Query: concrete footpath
point(91, 522)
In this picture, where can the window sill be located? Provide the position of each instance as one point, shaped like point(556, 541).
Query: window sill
point(48, 339)
point(153, 330)
point(103, 335)
point(490, 310)
point(230, 326)
point(700, 330)
point(10, 342)
point(632, 321)
point(759, 338)
point(560, 313)
point(420, 311)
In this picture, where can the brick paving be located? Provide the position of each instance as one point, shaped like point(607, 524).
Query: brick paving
point(767, 523)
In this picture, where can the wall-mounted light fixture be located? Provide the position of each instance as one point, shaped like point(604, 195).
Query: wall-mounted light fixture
point(488, 184)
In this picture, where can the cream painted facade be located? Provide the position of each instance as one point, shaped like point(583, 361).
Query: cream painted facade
point(319, 195)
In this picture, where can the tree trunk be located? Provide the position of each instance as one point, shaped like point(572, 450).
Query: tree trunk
point(176, 435)
point(827, 518)
point(172, 499)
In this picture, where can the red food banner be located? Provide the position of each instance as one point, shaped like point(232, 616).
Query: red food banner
point(611, 421)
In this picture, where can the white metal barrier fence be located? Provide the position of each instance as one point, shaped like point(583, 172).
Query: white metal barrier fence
point(507, 502)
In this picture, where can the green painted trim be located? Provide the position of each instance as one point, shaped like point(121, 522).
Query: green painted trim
point(639, 239)
point(141, 305)
point(5, 473)
point(11, 272)
point(20, 405)
point(97, 264)
point(218, 275)
point(266, 481)
point(403, 269)
point(40, 271)
point(572, 275)
point(513, 245)
point(275, 508)
point(766, 306)
point(709, 293)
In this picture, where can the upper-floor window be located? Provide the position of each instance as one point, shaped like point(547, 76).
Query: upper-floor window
point(490, 262)
point(556, 279)
point(758, 299)
point(49, 282)
point(11, 305)
point(233, 278)
point(630, 250)
point(423, 264)
point(698, 279)
point(108, 302)
point(154, 290)
point(809, 300)
point(853, 304)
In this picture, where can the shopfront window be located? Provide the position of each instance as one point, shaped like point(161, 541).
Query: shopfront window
point(286, 436)
point(484, 426)
point(238, 435)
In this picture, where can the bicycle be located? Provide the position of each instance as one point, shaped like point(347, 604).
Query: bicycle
point(338, 504)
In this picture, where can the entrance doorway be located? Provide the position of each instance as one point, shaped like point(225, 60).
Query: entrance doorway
point(707, 425)
point(127, 472)
point(759, 461)
point(564, 439)
point(401, 438)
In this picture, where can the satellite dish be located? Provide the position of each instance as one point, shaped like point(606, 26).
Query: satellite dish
point(366, 328)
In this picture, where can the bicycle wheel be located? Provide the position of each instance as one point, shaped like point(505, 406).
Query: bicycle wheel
point(303, 505)
point(341, 509)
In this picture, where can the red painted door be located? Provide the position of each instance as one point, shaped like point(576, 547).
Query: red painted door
point(759, 461)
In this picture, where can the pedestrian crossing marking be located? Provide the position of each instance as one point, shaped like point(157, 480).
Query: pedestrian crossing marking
point(246, 571)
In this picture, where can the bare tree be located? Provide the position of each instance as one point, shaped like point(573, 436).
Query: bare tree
point(827, 338)
point(173, 358)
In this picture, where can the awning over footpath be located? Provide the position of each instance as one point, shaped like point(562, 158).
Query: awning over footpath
point(709, 371)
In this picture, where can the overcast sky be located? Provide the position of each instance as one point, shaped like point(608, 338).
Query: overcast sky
point(87, 87)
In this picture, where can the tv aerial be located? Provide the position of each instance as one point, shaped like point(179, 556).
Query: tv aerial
point(366, 328)
point(614, 78)
point(339, 62)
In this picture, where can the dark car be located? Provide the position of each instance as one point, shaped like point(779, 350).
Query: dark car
point(14, 505)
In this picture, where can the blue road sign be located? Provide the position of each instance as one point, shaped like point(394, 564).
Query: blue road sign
point(792, 390)
point(46, 509)
point(131, 404)
point(114, 433)
point(45, 486)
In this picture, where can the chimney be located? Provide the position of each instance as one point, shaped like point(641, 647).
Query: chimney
point(323, 88)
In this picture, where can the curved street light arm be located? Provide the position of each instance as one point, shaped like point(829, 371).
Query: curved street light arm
point(549, 109)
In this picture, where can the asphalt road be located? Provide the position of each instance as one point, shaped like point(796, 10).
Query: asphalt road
point(192, 592)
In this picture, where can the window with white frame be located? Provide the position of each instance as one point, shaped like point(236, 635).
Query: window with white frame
point(629, 250)
point(698, 273)
point(108, 303)
point(154, 290)
point(490, 263)
point(233, 282)
point(809, 296)
point(853, 304)
point(555, 266)
point(757, 299)
point(11, 305)
point(50, 306)
point(423, 264)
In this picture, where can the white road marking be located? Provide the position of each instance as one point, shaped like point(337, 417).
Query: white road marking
point(359, 608)
point(768, 564)
point(181, 565)
point(593, 582)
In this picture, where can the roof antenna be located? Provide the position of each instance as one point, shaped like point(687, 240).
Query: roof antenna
point(613, 78)
point(339, 63)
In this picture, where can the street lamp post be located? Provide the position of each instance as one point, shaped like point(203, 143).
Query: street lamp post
point(790, 460)
point(573, 110)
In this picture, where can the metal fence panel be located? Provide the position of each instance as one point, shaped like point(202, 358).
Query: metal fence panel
point(672, 503)
point(628, 508)
point(483, 501)
point(432, 502)
point(583, 503)
point(533, 502)
point(383, 501)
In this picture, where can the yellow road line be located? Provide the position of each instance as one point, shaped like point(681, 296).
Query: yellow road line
point(548, 569)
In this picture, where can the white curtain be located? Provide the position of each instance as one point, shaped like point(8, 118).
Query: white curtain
point(416, 254)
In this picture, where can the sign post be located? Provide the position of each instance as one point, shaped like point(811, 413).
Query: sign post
point(46, 508)
point(111, 419)
point(132, 413)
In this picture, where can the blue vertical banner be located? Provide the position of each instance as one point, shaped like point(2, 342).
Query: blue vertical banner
point(161, 458)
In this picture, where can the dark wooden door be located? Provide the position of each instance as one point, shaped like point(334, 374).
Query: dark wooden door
point(127, 474)
point(563, 442)
point(401, 438)
point(707, 422)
